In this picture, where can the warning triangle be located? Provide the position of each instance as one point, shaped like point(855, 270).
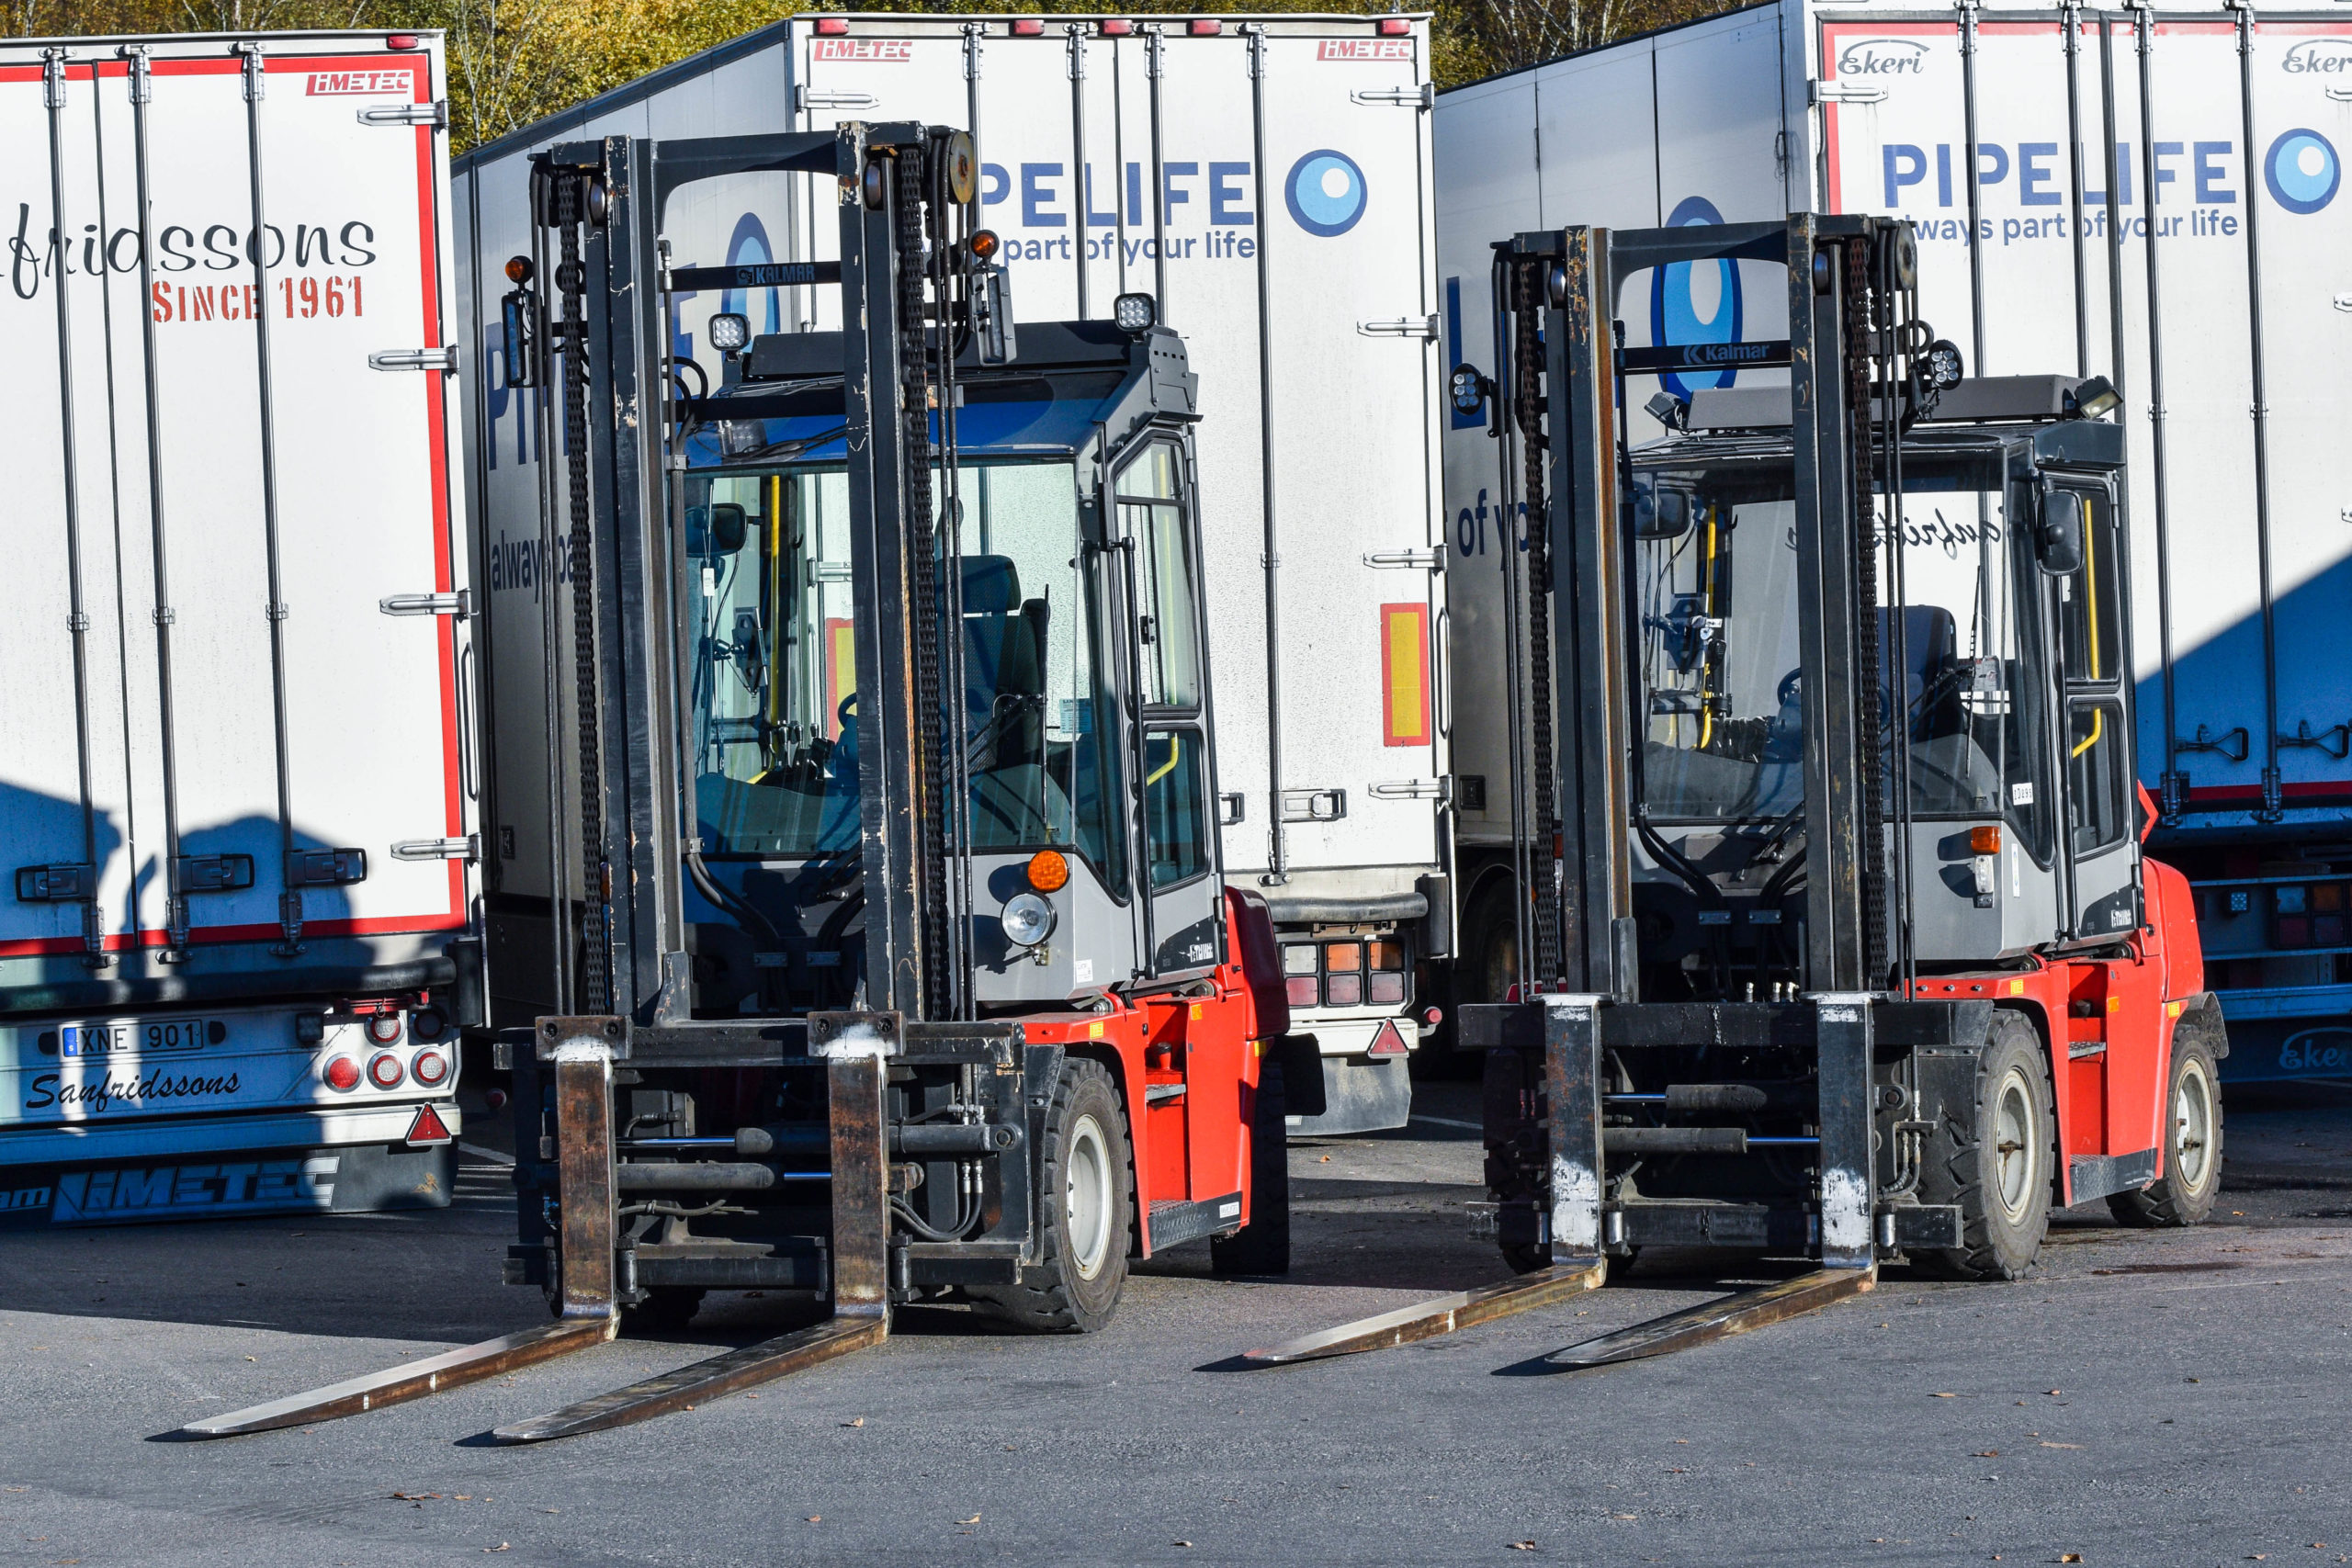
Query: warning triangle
point(1389, 1040)
point(428, 1128)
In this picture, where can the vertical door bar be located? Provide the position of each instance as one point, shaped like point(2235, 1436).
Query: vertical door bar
point(2272, 790)
point(289, 898)
point(1277, 868)
point(1085, 199)
point(2070, 17)
point(2144, 32)
point(1502, 280)
point(78, 617)
point(175, 909)
point(1156, 47)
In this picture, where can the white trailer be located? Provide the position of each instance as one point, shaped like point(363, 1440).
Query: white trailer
point(2226, 327)
point(1291, 242)
point(240, 933)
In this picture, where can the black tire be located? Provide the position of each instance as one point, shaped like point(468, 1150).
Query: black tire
point(1488, 967)
point(668, 1309)
point(2185, 1193)
point(1995, 1159)
point(1085, 1212)
point(1526, 1258)
point(1262, 1246)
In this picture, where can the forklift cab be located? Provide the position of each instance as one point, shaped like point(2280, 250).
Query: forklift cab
point(2007, 654)
point(1073, 581)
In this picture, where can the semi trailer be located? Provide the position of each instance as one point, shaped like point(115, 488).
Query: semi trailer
point(240, 933)
point(1266, 180)
point(2153, 197)
point(881, 718)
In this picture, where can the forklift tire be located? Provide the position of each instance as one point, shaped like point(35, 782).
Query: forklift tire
point(1262, 1246)
point(1526, 1258)
point(1086, 1212)
point(1997, 1165)
point(665, 1311)
point(2184, 1194)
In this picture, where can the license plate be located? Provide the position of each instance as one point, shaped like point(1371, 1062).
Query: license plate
point(137, 1036)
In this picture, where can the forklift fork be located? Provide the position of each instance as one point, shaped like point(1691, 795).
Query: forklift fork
point(582, 1050)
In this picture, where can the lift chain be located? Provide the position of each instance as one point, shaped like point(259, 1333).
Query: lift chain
point(1528, 350)
point(567, 201)
point(1869, 678)
point(922, 574)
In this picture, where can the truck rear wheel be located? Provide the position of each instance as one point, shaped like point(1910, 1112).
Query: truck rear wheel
point(1994, 1159)
point(1262, 1246)
point(1086, 1212)
point(2184, 1194)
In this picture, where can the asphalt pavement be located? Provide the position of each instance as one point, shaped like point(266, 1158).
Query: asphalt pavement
point(2141, 1398)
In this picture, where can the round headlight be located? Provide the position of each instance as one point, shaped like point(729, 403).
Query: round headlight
point(1028, 920)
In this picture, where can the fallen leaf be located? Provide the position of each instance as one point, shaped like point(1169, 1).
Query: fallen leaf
point(418, 1496)
point(973, 1520)
point(1624, 1515)
point(248, 1357)
point(501, 1546)
point(551, 1510)
point(2070, 1557)
point(859, 1422)
point(1327, 1160)
point(1943, 1396)
point(2048, 1444)
point(1681, 1439)
point(1516, 1545)
point(1985, 1453)
point(2197, 1380)
point(2053, 1391)
point(465, 1497)
point(815, 1518)
point(1183, 1543)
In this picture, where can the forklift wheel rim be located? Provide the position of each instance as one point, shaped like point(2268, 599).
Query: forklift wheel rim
point(2015, 1136)
point(2192, 1149)
point(1086, 1197)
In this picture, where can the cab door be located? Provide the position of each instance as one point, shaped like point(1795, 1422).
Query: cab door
point(2095, 752)
point(1167, 692)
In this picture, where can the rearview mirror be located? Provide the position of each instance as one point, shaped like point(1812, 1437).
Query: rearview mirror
point(1660, 513)
point(719, 529)
point(2061, 541)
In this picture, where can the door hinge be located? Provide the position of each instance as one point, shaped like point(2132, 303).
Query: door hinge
point(1421, 98)
point(1423, 327)
point(414, 358)
point(1441, 789)
point(1431, 560)
point(1314, 804)
point(809, 98)
point(461, 604)
point(465, 849)
point(434, 114)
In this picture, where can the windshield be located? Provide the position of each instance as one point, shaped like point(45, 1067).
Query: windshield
point(774, 697)
point(1715, 552)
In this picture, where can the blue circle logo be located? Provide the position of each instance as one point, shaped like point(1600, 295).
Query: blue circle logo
point(2301, 170)
point(1695, 302)
point(1326, 193)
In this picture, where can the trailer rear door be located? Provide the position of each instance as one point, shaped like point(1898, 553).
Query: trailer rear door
point(251, 367)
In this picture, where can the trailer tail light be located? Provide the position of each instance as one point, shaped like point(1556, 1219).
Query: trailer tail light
point(401, 40)
point(1344, 991)
point(384, 1028)
point(384, 1070)
point(1205, 27)
point(832, 27)
point(341, 1075)
point(2327, 915)
point(1387, 988)
point(1116, 27)
point(1298, 958)
point(431, 1068)
point(1394, 27)
point(1028, 26)
point(1301, 990)
point(425, 1024)
point(1343, 955)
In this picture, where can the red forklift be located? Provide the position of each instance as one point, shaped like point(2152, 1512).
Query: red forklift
point(877, 755)
point(1841, 945)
